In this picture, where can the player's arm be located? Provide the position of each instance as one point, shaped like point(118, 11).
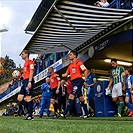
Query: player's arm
point(59, 83)
point(85, 75)
point(94, 81)
point(30, 78)
point(43, 87)
point(31, 74)
point(58, 87)
point(65, 75)
point(110, 83)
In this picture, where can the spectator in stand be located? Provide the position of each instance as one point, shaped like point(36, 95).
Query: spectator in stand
point(62, 96)
point(43, 58)
point(39, 63)
point(51, 57)
point(45, 103)
point(102, 3)
point(35, 66)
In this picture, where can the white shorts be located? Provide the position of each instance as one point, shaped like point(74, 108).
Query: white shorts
point(117, 90)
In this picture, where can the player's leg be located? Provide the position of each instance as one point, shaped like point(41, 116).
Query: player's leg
point(75, 92)
point(69, 104)
point(29, 94)
point(127, 100)
point(120, 98)
point(64, 103)
point(43, 103)
point(59, 102)
point(20, 97)
point(91, 100)
point(115, 97)
point(81, 98)
point(48, 105)
point(54, 97)
point(84, 106)
point(132, 98)
point(30, 106)
point(21, 100)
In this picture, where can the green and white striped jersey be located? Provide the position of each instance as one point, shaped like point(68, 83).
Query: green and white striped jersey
point(116, 74)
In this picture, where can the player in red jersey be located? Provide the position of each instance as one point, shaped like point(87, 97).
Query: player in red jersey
point(28, 84)
point(75, 70)
point(55, 86)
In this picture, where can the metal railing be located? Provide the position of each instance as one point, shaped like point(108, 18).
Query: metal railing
point(121, 4)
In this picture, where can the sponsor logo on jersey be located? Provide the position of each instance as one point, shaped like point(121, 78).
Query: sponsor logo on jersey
point(73, 70)
point(52, 80)
point(75, 88)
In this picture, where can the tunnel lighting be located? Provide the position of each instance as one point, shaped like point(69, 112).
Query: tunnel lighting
point(103, 79)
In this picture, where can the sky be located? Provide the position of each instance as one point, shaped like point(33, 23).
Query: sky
point(15, 39)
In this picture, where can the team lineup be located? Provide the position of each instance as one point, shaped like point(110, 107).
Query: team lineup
point(120, 80)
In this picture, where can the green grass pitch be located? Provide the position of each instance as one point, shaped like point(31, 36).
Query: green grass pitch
point(11, 124)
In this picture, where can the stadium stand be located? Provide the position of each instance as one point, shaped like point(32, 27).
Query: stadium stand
point(4, 87)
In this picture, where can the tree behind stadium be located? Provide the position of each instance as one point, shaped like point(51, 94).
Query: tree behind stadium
point(7, 66)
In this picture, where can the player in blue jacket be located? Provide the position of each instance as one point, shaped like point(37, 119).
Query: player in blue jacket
point(129, 90)
point(45, 103)
point(91, 80)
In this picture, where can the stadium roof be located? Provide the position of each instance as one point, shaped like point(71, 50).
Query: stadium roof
point(68, 24)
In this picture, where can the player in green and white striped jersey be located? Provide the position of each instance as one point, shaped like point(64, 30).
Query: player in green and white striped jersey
point(117, 79)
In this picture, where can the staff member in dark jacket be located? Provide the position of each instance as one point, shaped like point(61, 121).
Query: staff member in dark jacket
point(62, 96)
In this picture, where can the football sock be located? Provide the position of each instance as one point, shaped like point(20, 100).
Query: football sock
point(121, 104)
point(117, 103)
point(56, 106)
point(69, 106)
point(129, 106)
point(30, 105)
point(84, 107)
point(23, 102)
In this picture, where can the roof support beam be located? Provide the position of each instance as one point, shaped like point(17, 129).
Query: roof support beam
point(65, 18)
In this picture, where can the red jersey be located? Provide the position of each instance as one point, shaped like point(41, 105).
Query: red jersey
point(28, 65)
point(54, 81)
point(76, 69)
